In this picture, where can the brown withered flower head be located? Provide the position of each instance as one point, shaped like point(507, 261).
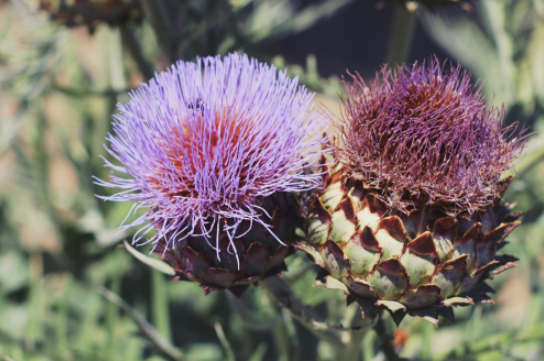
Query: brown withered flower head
point(425, 136)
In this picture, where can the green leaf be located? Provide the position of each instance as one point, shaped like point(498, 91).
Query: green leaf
point(163, 345)
point(258, 355)
point(152, 262)
point(224, 342)
point(204, 352)
point(161, 315)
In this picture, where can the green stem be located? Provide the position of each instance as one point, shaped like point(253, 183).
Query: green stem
point(34, 331)
point(352, 349)
point(163, 345)
point(161, 314)
point(251, 320)
point(280, 292)
point(83, 93)
point(135, 50)
point(337, 335)
point(61, 328)
point(112, 316)
point(157, 14)
point(224, 342)
point(281, 341)
point(368, 346)
point(384, 338)
point(402, 33)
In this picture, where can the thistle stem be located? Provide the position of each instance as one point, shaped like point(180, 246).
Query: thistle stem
point(250, 320)
point(135, 50)
point(352, 349)
point(163, 345)
point(280, 292)
point(402, 33)
point(385, 340)
point(157, 14)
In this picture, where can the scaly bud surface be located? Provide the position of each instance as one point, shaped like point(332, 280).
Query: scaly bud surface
point(410, 217)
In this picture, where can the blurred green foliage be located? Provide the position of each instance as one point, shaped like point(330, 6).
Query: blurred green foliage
point(70, 291)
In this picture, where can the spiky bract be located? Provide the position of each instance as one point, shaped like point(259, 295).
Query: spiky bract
point(202, 147)
point(418, 261)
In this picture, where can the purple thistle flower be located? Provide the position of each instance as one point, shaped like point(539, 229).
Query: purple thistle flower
point(424, 135)
point(202, 144)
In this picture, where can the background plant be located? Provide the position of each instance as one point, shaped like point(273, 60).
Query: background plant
point(70, 291)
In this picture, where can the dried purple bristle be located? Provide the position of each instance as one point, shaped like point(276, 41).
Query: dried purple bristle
point(424, 135)
point(204, 142)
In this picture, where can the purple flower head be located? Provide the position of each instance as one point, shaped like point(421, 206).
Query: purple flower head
point(424, 135)
point(203, 143)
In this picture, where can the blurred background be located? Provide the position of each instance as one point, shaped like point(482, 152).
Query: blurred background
point(65, 64)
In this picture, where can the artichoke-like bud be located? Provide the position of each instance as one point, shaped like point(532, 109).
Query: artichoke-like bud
point(258, 253)
point(410, 217)
point(214, 150)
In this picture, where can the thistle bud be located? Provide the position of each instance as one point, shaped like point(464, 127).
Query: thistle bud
point(410, 218)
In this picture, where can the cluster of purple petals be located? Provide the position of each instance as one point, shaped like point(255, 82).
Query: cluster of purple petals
point(204, 142)
point(423, 132)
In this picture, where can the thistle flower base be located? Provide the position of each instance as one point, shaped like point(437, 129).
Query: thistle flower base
point(259, 254)
point(417, 260)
